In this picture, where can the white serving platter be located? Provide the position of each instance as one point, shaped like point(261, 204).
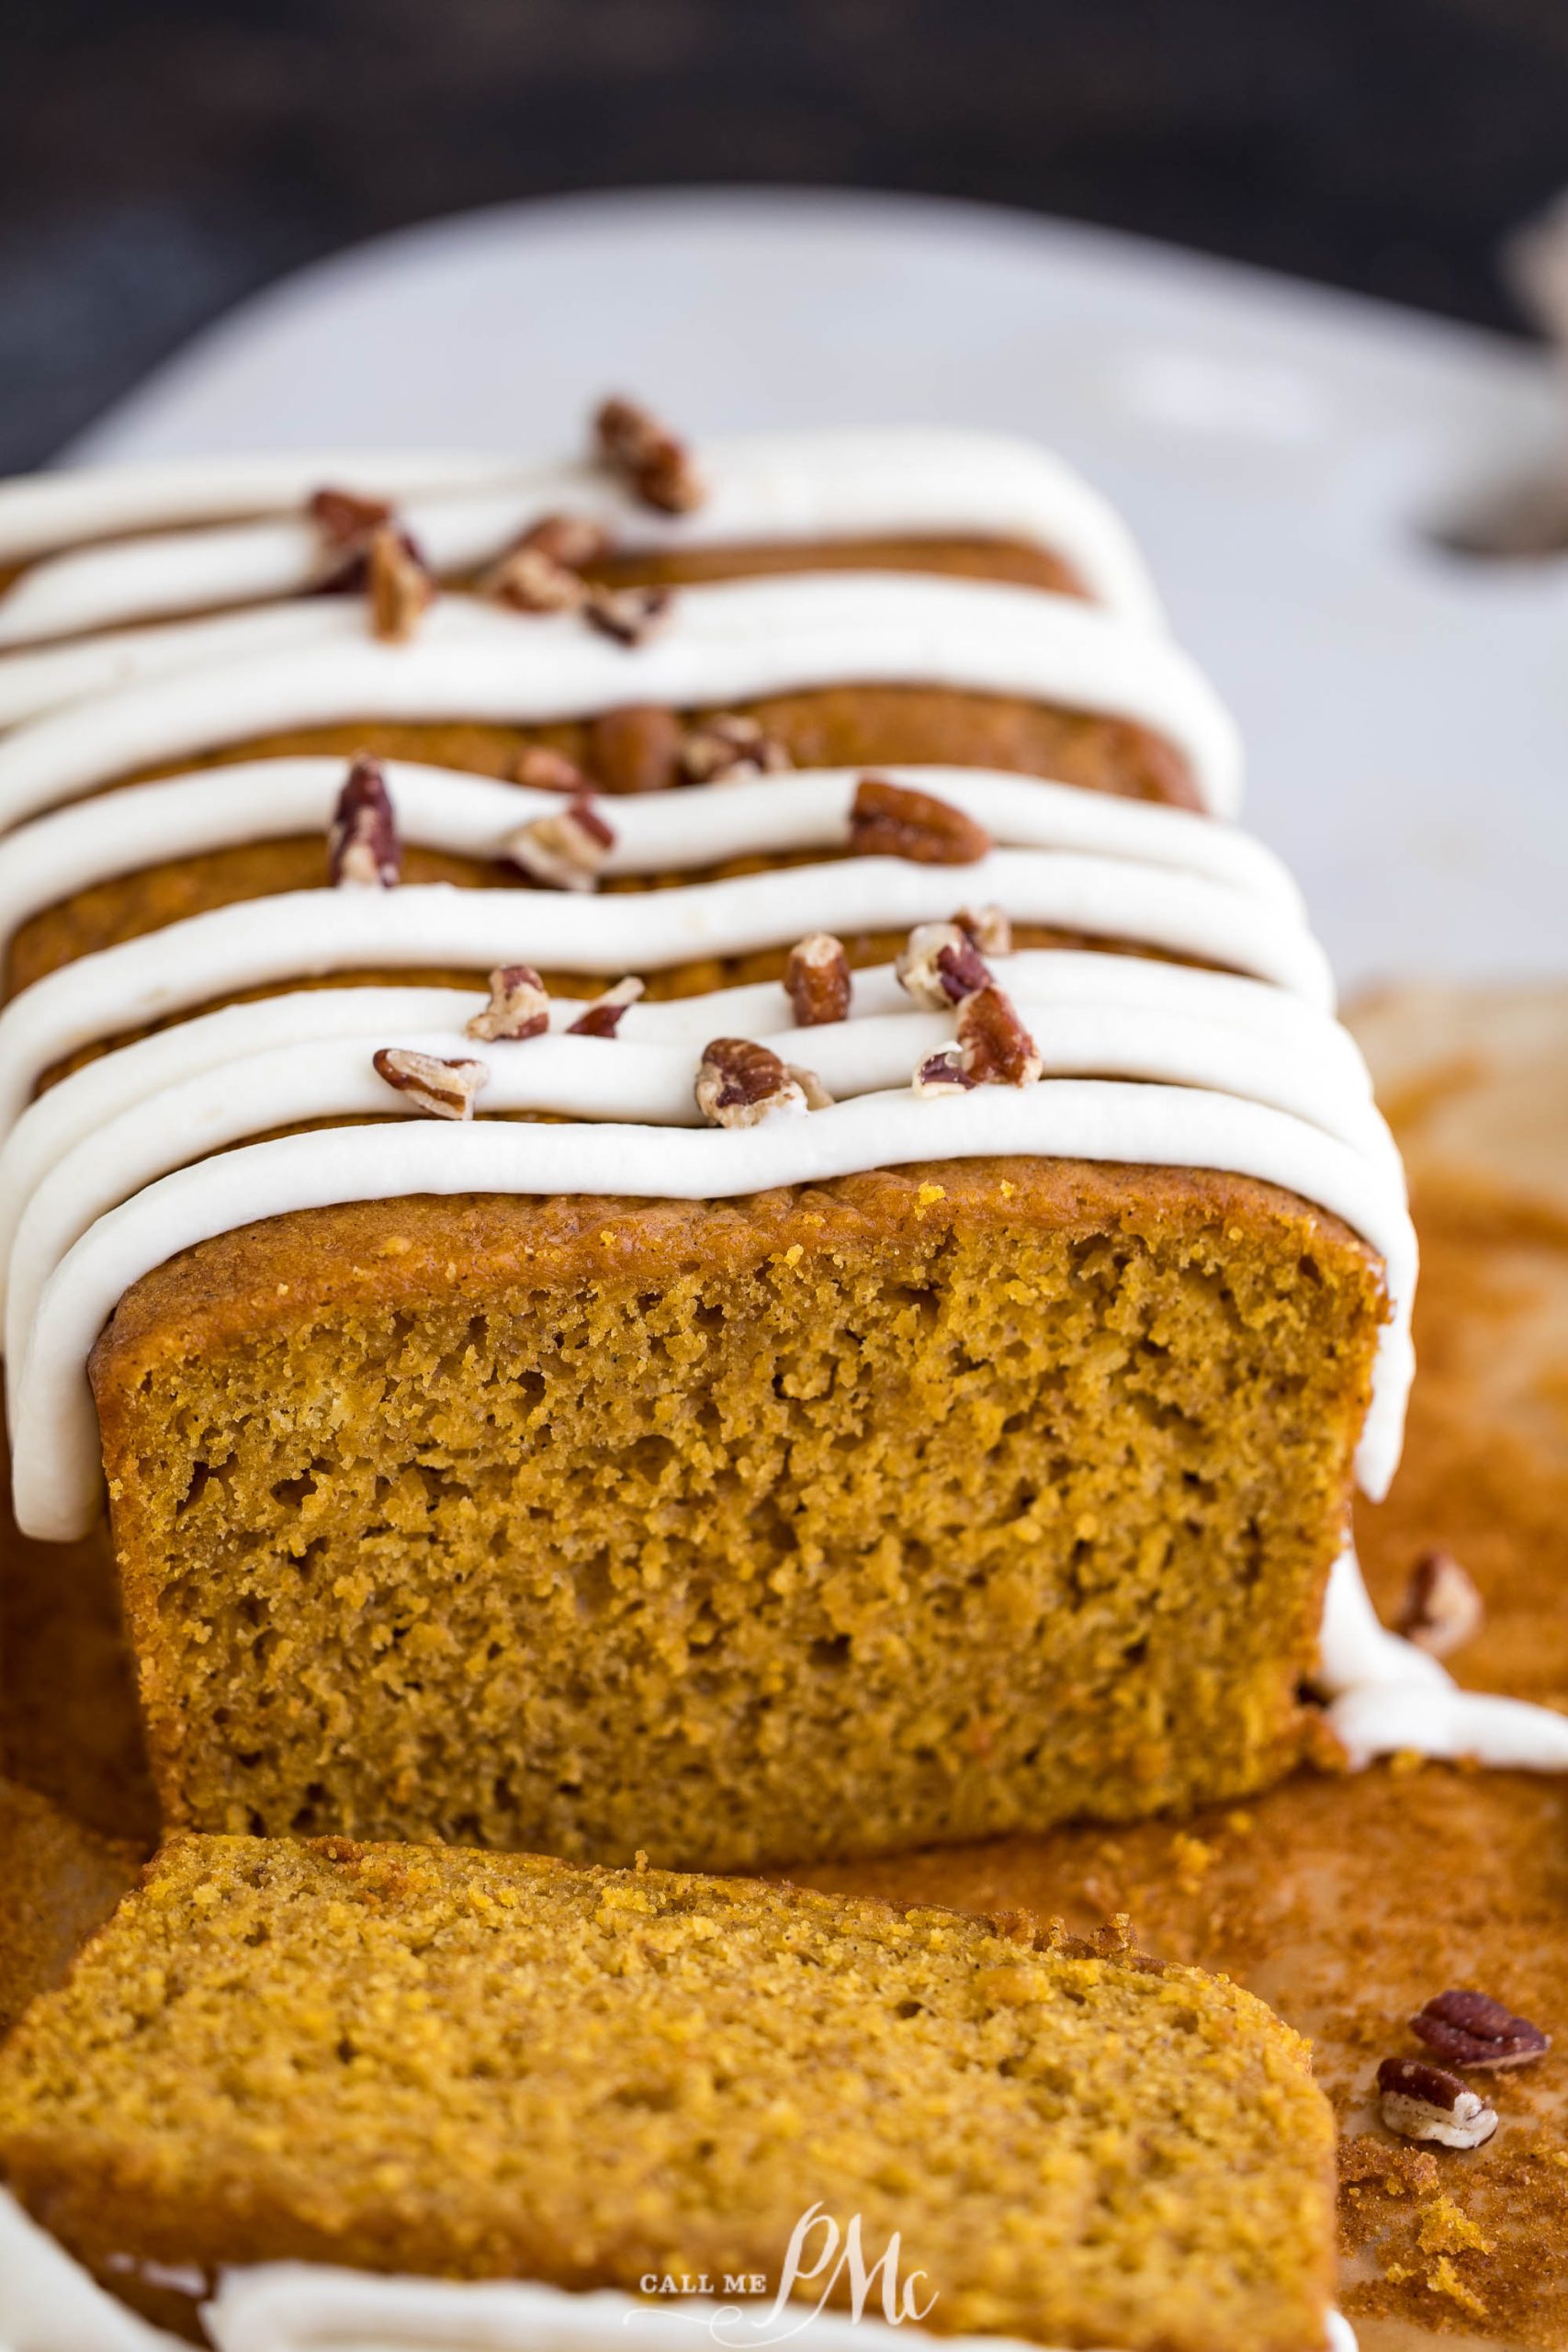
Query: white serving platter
point(1283, 453)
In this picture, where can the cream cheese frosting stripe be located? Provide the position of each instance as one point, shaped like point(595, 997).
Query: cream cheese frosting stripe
point(598, 1078)
point(55, 1440)
point(912, 482)
point(1299, 1058)
point(119, 832)
point(723, 643)
point(304, 933)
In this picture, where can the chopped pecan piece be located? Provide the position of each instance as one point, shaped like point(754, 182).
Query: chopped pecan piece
point(518, 1007)
point(636, 748)
point(532, 582)
point(362, 849)
point(939, 966)
point(401, 590)
point(816, 1095)
point(345, 519)
point(740, 1084)
point(987, 929)
point(442, 1089)
point(1473, 2030)
point(571, 539)
point(564, 850)
point(603, 1017)
point(1441, 1610)
point(817, 981)
point(547, 771)
point(993, 1044)
point(1422, 2102)
point(887, 819)
point(651, 459)
point(631, 616)
point(944, 1073)
point(727, 748)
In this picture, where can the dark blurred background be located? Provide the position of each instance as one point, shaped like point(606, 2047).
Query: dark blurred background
point(160, 159)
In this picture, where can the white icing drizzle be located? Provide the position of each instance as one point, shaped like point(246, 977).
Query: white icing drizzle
point(914, 482)
point(55, 1451)
point(32, 685)
point(1388, 1697)
point(120, 832)
point(301, 933)
point(724, 643)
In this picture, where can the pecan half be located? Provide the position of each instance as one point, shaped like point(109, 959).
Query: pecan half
point(518, 1007)
point(939, 966)
point(547, 771)
point(1441, 1610)
point(603, 1017)
point(362, 849)
point(993, 1044)
point(727, 748)
point(636, 748)
point(944, 1073)
point(1473, 2030)
point(1422, 2102)
point(401, 589)
point(817, 981)
point(889, 820)
point(740, 1083)
point(442, 1089)
point(651, 459)
point(529, 581)
point(631, 616)
point(986, 928)
point(566, 850)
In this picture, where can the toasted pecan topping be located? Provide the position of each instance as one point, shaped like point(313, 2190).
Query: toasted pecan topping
point(740, 1083)
point(401, 589)
point(987, 929)
point(653, 460)
point(566, 850)
point(816, 1095)
point(887, 819)
point(1422, 2102)
point(727, 748)
point(944, 1073)
point(344, 519)
point(571, 539)
point(1473, 2030)
point(547, 771)
point(442, 1089)
point(939, 966)
point(518, 1007)
point(993, 1044)
point(817, 981)
point(636, 748)
point(631, 616)
point(532, 582)
point(603, 1017)
point(362, 849)
point(1441, 1610)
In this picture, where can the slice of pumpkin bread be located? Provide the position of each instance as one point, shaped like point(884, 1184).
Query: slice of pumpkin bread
point(457, 2065)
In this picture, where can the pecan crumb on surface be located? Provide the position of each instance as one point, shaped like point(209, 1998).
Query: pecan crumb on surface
point(1423, 2102)
point(566, 850)
point(401, 589)
point(631, 616)
point(546, 771)
point(603, 1017)
point(944, 1073)
point(653, 461)
point(888, 820)
point(362, 849)
point(442, 1089)
point(1473, 2030)
point(740, 1084)
point(518, 1007)
point(993, 1044)
point(939, 966)
point(1441, 1608)
point(728, 748)
point(635, 748)
point(987, 929)
point(817, 981)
